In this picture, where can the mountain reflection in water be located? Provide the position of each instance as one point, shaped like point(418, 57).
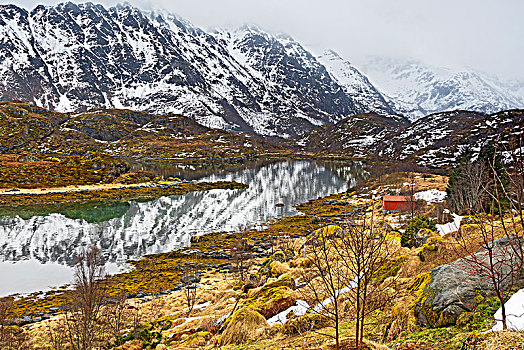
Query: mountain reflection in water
point(130, 230)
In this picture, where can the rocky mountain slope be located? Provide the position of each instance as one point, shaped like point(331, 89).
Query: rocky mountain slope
point(75, 57)
point(355, 84)
point(439, 139)
point(359, 136)
point(25, 127)
point(434, 141)
point(416, 90)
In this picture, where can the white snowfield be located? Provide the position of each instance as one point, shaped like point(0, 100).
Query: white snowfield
point(202, 306)
point(514, 313)
point(418, 89)
point(450, 226)
point(431, 196)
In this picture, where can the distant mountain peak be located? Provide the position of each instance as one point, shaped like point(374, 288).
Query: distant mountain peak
point(417, 89)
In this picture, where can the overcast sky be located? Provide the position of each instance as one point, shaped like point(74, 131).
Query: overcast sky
point(483, 34)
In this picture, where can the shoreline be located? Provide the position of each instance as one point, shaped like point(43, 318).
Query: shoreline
point(210, 250)
point(77, 188)
point(109, 192)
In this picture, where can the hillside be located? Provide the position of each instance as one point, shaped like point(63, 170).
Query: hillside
point(25, 127)
point(433, 141)
point(357, 136)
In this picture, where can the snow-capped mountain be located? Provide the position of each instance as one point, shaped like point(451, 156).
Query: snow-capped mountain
point(417, 90)
point(355, 84)
point(75, 57)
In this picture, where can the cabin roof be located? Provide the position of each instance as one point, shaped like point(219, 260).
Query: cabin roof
point(397, 199)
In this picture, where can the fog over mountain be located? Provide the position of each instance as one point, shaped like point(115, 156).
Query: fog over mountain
point(484, 35)
point(74, 57)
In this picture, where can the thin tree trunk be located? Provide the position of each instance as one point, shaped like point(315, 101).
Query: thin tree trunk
point(504, 318)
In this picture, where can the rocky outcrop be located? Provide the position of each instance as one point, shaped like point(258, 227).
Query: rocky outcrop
point(447, 291)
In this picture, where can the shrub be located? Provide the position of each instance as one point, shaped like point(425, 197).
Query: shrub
point(407, 238)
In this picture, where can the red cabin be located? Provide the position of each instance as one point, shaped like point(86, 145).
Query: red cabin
point(397, 203)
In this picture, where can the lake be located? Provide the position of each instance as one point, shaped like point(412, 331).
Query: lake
point(38, 245)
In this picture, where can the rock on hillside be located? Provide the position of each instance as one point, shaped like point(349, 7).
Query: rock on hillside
point(21, 126)
point(447, 291)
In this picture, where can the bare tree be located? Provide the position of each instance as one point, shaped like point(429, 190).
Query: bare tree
point(467, 190)
point(117, 315)
point(411, 190)
point(241, 252)
point(191, 286)
point(83, 319)
point(514, 173)
point(367, 256)
point(56, 333)
point(348, 268)
point(5, 309)
point(500, 256)
point(326, 279)
point(153, 285)
point(11, 337)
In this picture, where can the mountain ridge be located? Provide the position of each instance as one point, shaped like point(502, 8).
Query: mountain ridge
point(73, 57)
point(76, 57)
point(416, 89)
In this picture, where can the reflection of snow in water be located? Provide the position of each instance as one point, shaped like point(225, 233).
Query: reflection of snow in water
point(167, 223)
point(27, 276)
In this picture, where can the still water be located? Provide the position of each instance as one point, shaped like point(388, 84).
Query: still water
point(38, 245)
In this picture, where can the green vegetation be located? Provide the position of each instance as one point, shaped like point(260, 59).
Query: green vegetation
point(113, 194)
point(418, 223)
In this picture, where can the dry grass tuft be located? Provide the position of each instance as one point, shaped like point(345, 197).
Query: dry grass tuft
point(278, 268)
point(245, 325)
point(503, 340)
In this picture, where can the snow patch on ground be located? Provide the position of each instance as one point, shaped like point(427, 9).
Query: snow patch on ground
point(329, 300)
point(199, 306)
point(450, 226)
point(431, 196)
point(514, 313)
point(299, 309)
point(398, 221)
